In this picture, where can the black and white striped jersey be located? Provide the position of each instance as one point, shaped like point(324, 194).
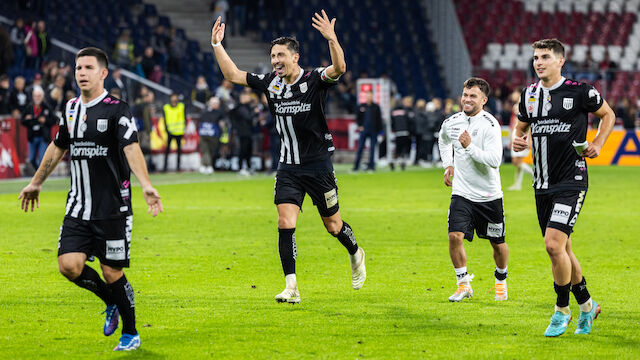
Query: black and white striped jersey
point(95, 133)
point(298, 110)
point(558, 117)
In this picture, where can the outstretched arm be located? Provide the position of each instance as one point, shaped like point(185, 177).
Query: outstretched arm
point(139, 168)
point(327, 29)
point(229, 69)
point(31, 193)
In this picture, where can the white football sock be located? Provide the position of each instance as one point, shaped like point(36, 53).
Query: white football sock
point(291, 281)
point(586, 306)
point(565, 310)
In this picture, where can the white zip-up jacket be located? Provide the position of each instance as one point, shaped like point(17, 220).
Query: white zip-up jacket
point(476, 174)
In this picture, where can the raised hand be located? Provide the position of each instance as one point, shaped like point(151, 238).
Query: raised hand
point(217, 32)
point(30, 195)
point(152, 198)
point(324, 25)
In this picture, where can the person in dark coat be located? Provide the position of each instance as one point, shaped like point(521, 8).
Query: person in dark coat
point(369, 120)
point(38, 118)
point(242, 121)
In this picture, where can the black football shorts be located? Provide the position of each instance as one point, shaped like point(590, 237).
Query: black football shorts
point(486, 218)
point(322, 187)
point(108, 240)
point(559, 210)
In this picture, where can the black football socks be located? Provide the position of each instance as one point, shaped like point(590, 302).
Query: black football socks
point(123, 297)
point(347, 238)
point(563, 294)
point(90, 280)
point(287, 250)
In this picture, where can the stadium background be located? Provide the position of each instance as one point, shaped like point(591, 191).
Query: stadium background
point(423, 49)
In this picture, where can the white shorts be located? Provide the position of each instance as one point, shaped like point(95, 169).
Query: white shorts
point(519, 154)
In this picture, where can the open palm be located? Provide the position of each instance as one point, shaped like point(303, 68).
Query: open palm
point(217, 32)
point(324, 25)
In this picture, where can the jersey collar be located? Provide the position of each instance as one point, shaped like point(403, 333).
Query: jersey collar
point(94, 101)
point(554, 86)
point(297, 79)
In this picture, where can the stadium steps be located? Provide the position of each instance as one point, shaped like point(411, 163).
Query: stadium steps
point(196, 20)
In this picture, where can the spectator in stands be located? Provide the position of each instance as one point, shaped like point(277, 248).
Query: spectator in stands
point(31, 45)
point(55, 100)
point(148, 62)
point(369, 120)
point(37, 81)
point(175, 124)
point(346, 92)
point(18, 98)
point(123, 52)
point(219, 8)
point(608, 67)
point(4, 94)
point(116, 82)
point(224, 92)
point(201, 92)
point(38, 119)
point(59, 83)
point(239, 13)
point(18, 35)
point(44, 42)
point(209, 130)
point(242, 115)
point(420, 128)
point(177, 48)
point(274, 138)
point(6, 51)
point(402, 120)
point(145, 110)
point(160, 42)
point(628, 112)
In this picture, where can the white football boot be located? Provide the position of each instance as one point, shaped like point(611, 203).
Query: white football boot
point(464, 289)
point(291, 296)
point(358, 270)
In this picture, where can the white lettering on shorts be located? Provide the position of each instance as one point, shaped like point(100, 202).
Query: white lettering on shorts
point(115, 250)
point(560, 214)
point(331, 198)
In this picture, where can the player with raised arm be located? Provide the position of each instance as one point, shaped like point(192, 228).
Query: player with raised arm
point(470, 146)
point(296, 100)
point(556, 110)
point(101, 137)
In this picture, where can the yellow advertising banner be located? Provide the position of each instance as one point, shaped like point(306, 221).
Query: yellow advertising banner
point(622, 148)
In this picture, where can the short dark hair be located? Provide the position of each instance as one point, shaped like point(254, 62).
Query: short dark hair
point(100, 55)
point(290, 41)
point(554, 45)
point(482, 84)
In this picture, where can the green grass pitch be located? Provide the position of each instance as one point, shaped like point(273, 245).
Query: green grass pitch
point(206, 270)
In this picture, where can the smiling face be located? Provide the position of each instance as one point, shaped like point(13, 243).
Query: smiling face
point(472, 101)
point(284, 61)
point(547, 63)
point(89, 74)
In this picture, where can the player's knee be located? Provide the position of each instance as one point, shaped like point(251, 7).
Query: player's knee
point(553, 247)
point(71, 270)
point(111, 274)
point(285, 223)
point(455, 238)
point(333, 227)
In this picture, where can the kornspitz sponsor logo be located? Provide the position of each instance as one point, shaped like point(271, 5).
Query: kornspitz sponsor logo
point(292, 107)
point(87, 149)
point(550, 127)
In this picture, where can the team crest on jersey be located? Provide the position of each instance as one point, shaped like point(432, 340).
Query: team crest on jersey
point(102, 125)
point(303, 87)
point(567, 103)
